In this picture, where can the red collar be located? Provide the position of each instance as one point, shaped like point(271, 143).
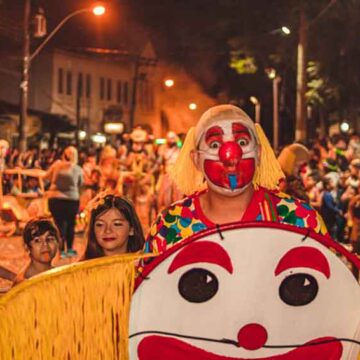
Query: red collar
point(250, 213)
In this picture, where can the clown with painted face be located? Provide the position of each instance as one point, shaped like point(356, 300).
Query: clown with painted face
point(227, 154)
point(229, 173)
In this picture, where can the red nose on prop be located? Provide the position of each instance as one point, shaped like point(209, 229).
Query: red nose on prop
point(230, 153)
point(252, 336)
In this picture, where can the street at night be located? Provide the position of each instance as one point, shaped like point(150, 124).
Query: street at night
point(180, 179)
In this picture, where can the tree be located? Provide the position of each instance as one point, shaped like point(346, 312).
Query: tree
point(322, 96)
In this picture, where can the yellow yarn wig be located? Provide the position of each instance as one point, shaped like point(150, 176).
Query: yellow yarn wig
point(80, 311)
point(188, 178)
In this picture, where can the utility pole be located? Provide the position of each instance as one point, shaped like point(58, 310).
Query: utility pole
point(79, 94)
point(24, 84)
point(27, 58)
point(134, 93)
point(276, 82)
point(139, 62)
point(301, 120)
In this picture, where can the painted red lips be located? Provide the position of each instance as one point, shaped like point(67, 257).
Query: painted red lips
point(217, 173)
point(156, 347)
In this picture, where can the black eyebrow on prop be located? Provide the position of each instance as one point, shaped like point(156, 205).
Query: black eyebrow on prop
point(219, 232)
point(306, 235)
point(144, 277)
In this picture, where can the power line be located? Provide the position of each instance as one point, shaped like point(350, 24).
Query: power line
point(322, 12)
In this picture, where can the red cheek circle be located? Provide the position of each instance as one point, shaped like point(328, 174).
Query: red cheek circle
point(217, 173)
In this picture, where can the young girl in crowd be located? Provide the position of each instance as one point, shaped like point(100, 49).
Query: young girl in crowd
point(114, 227)
point(41, 240)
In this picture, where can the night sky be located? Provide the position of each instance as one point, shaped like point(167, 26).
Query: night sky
point(185, 31)
point(199, 35)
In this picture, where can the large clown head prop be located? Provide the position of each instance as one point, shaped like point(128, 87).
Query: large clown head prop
point(227, 150)
point(261, 291)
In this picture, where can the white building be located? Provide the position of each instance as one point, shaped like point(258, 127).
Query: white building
point(91, 86)
point(95, 85)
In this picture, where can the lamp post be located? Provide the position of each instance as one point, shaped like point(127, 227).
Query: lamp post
point(275, 78)
point(276, 82)
point(301, 121)
point(256, 102)
point(98, 10)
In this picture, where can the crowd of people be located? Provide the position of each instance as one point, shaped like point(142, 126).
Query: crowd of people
point(136, 168)
point(329, 180)
point(120, 188)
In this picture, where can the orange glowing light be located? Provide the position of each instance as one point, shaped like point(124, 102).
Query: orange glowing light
point(99, 10)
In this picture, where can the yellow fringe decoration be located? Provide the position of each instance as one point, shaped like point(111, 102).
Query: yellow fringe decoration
point(268, 172)
point(184, 173)
point(76, 312)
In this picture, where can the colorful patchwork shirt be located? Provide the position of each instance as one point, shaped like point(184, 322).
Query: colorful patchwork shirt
point(185, 217)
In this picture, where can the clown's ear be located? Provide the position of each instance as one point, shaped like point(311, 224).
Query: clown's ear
point(268, 172)
point(184, 173)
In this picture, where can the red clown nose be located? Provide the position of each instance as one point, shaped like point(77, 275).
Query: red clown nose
point(230, 153)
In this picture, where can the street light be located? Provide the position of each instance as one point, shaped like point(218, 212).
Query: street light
point(256, 102)
point(82, 135)
point(344, 127)
point(285, 30)
point(99, 138)
point(97, 10)
point(192, 106)
point(169, 83)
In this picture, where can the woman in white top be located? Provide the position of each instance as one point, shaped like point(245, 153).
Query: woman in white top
point(66, 178)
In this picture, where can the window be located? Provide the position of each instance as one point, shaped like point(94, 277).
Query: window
point(80, 85)
point(109, 88)
point(88, 86)
point(68, 82)
point(60, 80)
point(126, 92)
point(118, 91)
point(151, 97)
point(102, 88)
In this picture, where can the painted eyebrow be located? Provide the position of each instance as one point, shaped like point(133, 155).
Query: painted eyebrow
point(202, 251)
point(213, 131)
point(305, 257)
point(236, 127)
point(239, 128)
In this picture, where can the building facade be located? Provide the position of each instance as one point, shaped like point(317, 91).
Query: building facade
point(94, 86)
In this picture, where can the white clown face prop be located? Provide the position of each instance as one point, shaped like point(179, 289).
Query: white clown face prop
point(265, 292)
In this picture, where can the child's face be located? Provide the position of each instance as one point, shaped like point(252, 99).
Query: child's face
point(43, 248)
point(33, 182)
point(112, 232)
point(95, 177)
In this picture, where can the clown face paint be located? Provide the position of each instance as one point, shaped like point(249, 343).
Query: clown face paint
point(228, 156)
point(262, 292)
